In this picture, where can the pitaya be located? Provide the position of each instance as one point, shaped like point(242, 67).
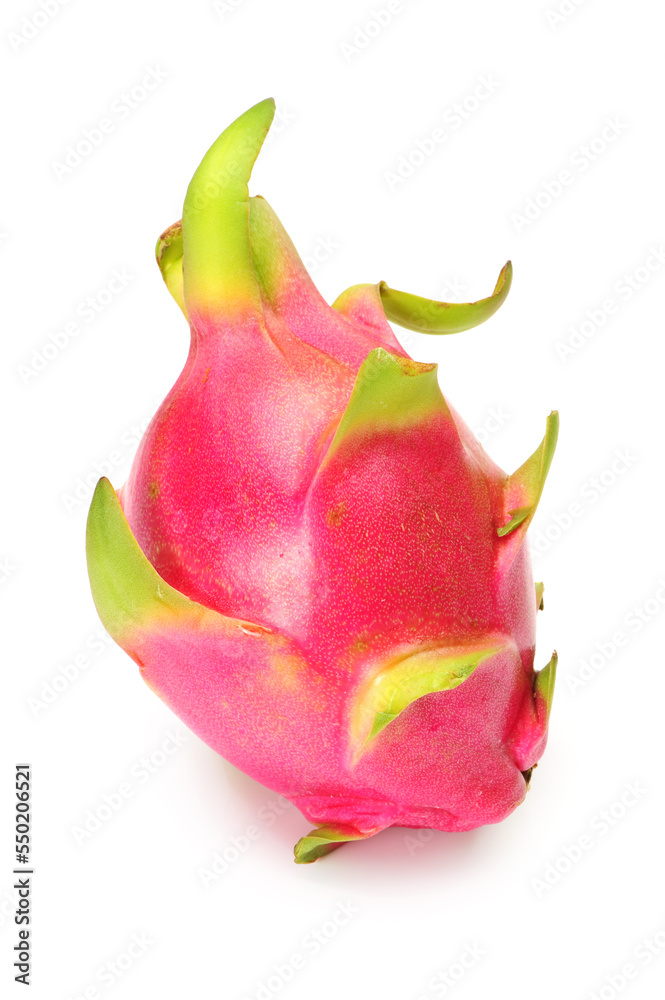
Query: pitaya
point(314, 562)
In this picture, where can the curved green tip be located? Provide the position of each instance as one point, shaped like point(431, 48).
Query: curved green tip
point(322, 841)
point(169, 258)
point(388, 693)
point(544, 683)
point(219, 278)
point(429, 316)
point(126, 589)
point(389, 391)
point(529, 480)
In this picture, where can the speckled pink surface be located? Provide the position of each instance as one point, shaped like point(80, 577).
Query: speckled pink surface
point(389, 545)
point(329, 524)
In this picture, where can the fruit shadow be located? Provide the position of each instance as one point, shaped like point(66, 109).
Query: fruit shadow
point(408, 854)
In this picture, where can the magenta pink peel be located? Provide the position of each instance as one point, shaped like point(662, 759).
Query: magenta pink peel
point(313, 562)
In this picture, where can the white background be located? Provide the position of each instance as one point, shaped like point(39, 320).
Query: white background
point(349, 114)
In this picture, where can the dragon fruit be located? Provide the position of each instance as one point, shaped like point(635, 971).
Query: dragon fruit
point(314, 562)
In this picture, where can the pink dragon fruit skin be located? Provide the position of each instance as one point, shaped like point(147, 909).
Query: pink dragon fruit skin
point(314, 563)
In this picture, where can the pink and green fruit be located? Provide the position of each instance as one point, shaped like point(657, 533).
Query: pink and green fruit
point(314, 562)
